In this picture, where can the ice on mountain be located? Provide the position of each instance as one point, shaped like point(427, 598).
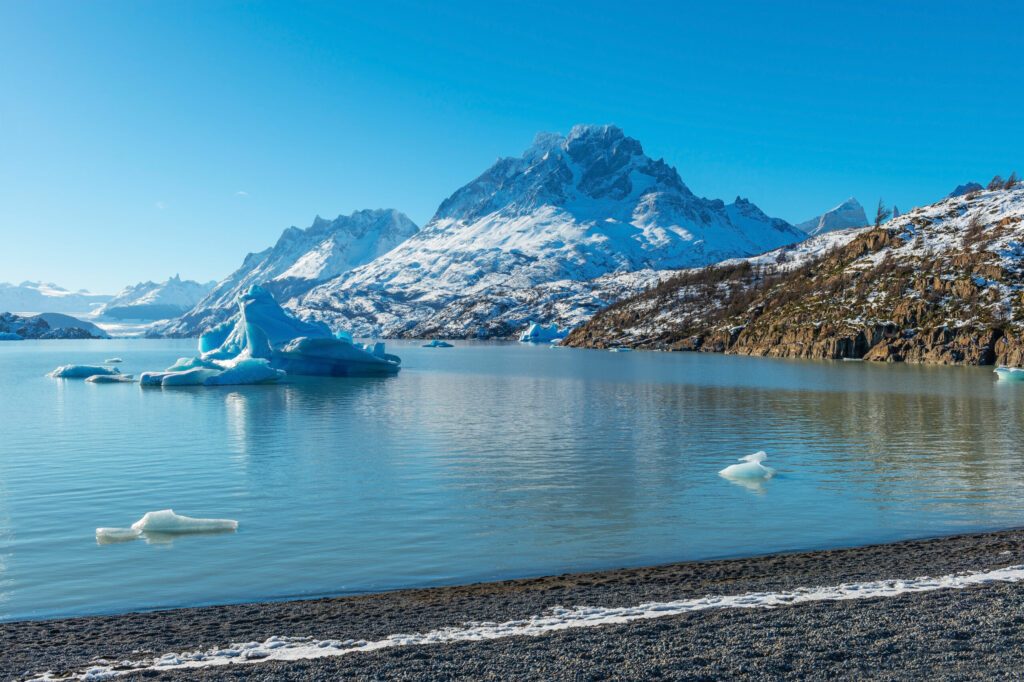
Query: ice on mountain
point(751, 468)
point(82, 371)
point(538, 333)
point(10, 336)
point(165, 522)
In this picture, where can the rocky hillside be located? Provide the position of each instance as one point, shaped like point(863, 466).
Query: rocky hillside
point(534, 233)
point(941, 284)
point(16, 327)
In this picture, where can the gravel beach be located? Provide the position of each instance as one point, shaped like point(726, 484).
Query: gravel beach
point(972, 633)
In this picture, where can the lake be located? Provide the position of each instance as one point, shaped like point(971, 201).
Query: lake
point(479, 462)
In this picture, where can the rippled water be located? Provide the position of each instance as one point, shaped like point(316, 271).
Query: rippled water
point(478, 462)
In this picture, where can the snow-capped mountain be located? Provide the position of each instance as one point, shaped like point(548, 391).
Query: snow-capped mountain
point(155, 300)
point(298, 261)
point(37, 297)
point(846, 215)
point(571, 209)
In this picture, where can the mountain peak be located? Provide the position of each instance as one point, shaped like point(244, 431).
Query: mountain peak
point(846, 215)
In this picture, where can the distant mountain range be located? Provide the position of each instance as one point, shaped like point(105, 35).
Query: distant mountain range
point(155, 300)
point(574, 224)
point(940, 284)
point(299, 260)
point(37, 297)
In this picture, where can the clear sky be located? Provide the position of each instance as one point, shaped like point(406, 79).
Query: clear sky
point(139, 139)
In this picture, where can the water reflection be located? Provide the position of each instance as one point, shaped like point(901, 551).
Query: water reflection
point(483, 462)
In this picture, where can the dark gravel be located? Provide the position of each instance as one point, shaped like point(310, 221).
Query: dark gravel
point(952, 634)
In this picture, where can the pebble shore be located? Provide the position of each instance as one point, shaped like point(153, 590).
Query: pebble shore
point(973, 633)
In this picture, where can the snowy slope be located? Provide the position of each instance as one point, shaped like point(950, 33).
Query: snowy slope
point(846, 215)
point(299, 260)
point(35, 297)
point(571, 209)
point(940, 284)
point(155, 300)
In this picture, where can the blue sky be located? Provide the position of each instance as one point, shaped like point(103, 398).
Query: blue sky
point(141, 139)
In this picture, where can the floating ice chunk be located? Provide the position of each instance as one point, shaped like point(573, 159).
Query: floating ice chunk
point(110, 379)
point(112, 361)
point(752, 468)
point(260, 321)
point(621, 349)
point(189, 377)
point(10, 336)
point(437, 343)
point(152, 378)
point(110, 535)
point(335, 358)
point(538, 333)
point(183, 364)
point(248, 371)
point(1010, 373)
point(166, 521)
point(82, 371)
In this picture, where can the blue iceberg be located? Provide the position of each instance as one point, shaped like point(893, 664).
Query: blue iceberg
point(1010, 373)
point(538, 333)
point(263, 343)
point(82, 371)
point(437, 343)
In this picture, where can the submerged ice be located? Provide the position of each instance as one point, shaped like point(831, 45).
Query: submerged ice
point(263, 343)
point(167, 522)
point(751, 468)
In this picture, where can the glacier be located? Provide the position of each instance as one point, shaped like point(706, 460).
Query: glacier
point(263, 343)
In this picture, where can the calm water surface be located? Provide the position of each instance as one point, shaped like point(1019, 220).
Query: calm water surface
point(478, 462)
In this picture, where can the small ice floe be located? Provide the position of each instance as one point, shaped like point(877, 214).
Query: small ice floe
point(164, 522)
point(112, 361)
point(621, 349)
point(82, 371)
point(750, 469)
point(437, 343)
point(1010, 373)
point(110, 379)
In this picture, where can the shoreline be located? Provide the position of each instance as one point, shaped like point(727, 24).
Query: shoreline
point(61, 645)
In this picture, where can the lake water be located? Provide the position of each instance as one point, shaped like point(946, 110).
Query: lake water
point(478, 462)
